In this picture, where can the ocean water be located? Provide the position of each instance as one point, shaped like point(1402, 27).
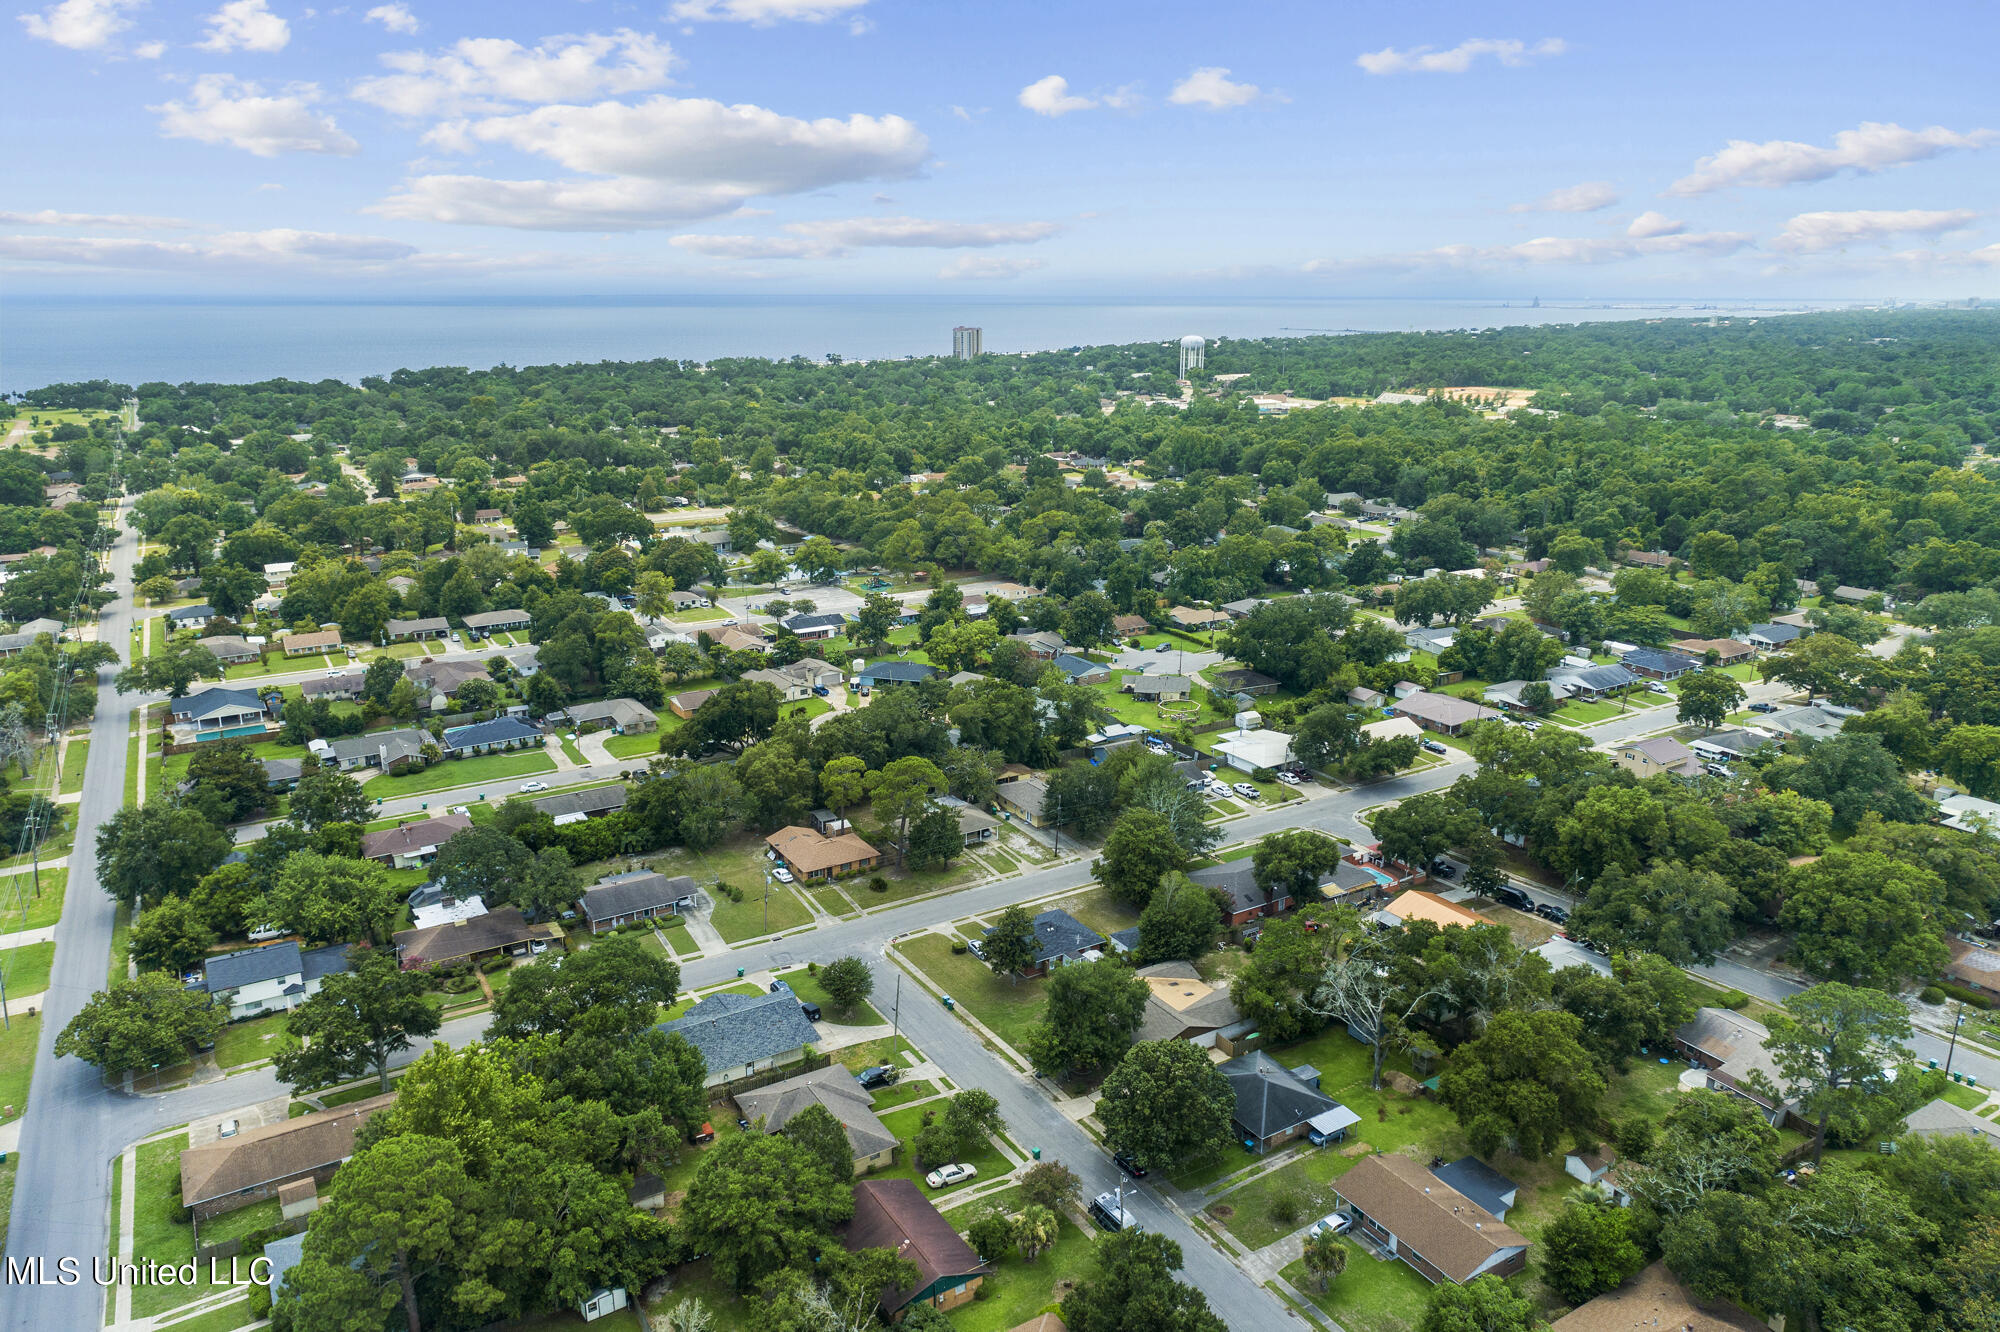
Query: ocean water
point(46, 340)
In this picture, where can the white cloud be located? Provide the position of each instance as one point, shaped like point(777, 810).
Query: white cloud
point(224, 109)
point(49, 217)
point(1209, 86)
point(489, 74)
point(150, 50)
point(921, 233)
point(1430, 60)
point(1650, 224)
point(1871, 147)
point(81, 25)
point(764, 13)
point(246, 25)
point(1585, 198)
point(1570, 250)
point(281, 246)
point(1812, 232)
point(1986, 256)
point(987, 267)
point(751, 247)
point(393, 17)
point(668, 160)
point(1051, 97)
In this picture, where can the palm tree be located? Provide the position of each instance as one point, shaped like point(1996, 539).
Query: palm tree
point(1035, 1230)
point(1326, 1258)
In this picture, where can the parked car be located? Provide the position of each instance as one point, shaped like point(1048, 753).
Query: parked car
point(821, 690)
point(1508, 895)
point(946, 1176)
point(1530, 724)
point(538, 946)
point(781, 874)
point(1716, 769)
point(1109, 1212)
point(977, 948)
point(534, 786)
point(1763, 707)
point(1436, 747)
point(1657, 688)
point(1128, 1163)
point(810, 1009)
point(782, 987)
point(1246, 790)
point(880, 1075)
point(1444, 869)
point(1164, 647)
point(1331, 1224)
point(1289, 778)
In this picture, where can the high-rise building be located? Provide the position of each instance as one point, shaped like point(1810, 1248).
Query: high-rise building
point(965, 343)
point(1194, 351)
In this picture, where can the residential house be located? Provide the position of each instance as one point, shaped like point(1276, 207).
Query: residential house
point(1728, 745)
point(1416, 904)
point(683, 705)
point(715, 537)
point(401, 631)
point(502, 930)
point(815, 627)
point(738, 639)
point(190, 617)
point(1026, 798)
point(887, 673)
point(1970, 814)
point(1433, 641)
point(1196, 619)
point(1942, 1119)
point(810, 854)
point(958, 678)
point(1480, 1182)
point(1275, 1104)
point(975, 825)
point(1130, 626)
point(1081, 670)
point(491, 737)
point(1441, 712)
point(431, 905)
point(1362, 697)
point(1660, 663)
point(1657, 755)
point(377, 749)
point(1854, 596)
point(273, 979)
point(1730, 1047)
point(218, 713)
point(497, 621)
point(524, 661)
point(1768, 636)
point(1529, 567)
point(1655, 1300)
point(1815, 721)
point(621, 899)
point(1404, 1209)
point(282, 774)
point(742, 1034)
point(687, 601)
point(1251, 751)
point(772, 1106)
point(1392, 728)
point(1560, 951)
point(1648, 559)
point(1592, 1168)
point(1060, 938)
point(1242, 610)
point(437, 681)
point(1041, 644)
point(628, 716)
point(1973, 964)
point(313, 644)
point(231, 650)
point(230, 1173)
point(1728, 651)
point(1591, 682)
point(1507, 694)
point(1249, 902)
point(409, 845)
point(1160, 688)
point(798, 680)
point(566, 807)
point(1184, 1007)
point(35, 628)
point(893, 1214)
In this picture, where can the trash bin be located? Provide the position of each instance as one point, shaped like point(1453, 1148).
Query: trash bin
point(950, 1003)
point(739, 973)
point(1036, 1152)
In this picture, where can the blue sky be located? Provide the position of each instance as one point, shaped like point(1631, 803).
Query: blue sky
point(1145, 150)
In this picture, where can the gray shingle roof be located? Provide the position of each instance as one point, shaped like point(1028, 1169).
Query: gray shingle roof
point(731, 1030)
point(202, 703)
point(1058, 934)
point(1270, 1098)
point(1481, 1183)
point(248, 966)
point(201, 612)
point(499, 731)
point(629, 894)
point(322, 962)
point(592, 801)
point(903, 672)
point(1594, 677)
point(1659, 659)
point(802, 622)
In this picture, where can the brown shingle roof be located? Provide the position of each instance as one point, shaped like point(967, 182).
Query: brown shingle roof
point(1655, 1299)
point(274, 1152)
point(804, 849)
point(499, 928)
point(892, 1214)
point(413, 836)
point(1443, 1226)
point(832, 1087)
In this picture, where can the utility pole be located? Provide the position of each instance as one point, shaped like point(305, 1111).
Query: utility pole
point(896, 1019)
point(1957, 1021)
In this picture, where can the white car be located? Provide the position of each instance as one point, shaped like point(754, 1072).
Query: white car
point(1331, 1224)
point(334, 672)
point(945, 1176)
point(1657, 688)
point(538, 946)
point(1289, 778)
point(534, 786)
point(1246, 790)
point(781, 874)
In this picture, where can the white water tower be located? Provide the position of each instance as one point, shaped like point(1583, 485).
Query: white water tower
point(1194, 349)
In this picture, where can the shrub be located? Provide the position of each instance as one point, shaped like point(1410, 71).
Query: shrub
point(957, 946)
point(1284, 1208)
point(260, 1302)
point(493, 964)
point(878, 884)
point(1931, 994)
point(1961, 993)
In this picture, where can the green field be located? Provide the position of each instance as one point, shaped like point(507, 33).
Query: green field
point(448, 773)
point(1370, 1296)
point(27, 968)
point(18, 1042)
point(242, 1043)
point(1010, 1008)
point(1017, 1291)
point(74, 760)
point(156, 1233)
point(807, 987)
point(27, 911)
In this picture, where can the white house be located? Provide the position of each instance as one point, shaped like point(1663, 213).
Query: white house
point(1247, 751)
point(273, 979)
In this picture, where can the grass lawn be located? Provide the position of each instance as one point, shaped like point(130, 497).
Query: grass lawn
point(678, 1175)
point(1646, 1088)
point(27, 968)
point(1100, 910)
point(462, 772)
point(121, 934)
point(641, 744)
point(237, 1224)
point(1965, 1098)
point(882, 1050)
point(226, 1319)
point(73, 761)
point(807, 987)
point(157, 1235)
point(1584, 712)
point(1370, 1296)
point(574, 754)
point(906, 1123)
point(763, 910)
point(17, 1060)
point(741, 863)
point(1011, 1009)
point(40, 912)
point(1017, 1290)
point(7, 1170)
point(685, 1002)
point(132, 768)
point(246, 1042)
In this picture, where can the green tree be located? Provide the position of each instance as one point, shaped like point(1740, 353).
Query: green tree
point(1272, 989)
point(1165, 1103)
point(1036, 1230)
point(847, 982)
point(874, 622)
point(1864, 919)
point(483, 862)
point(757, 1204)
point(815, 1129)
point(1683, 914)
point(1589, 1248)
point(1523, 1084)
point(1139, 851)
point(1832, 1045)
point(1485, 1304)
point(1132, 1289)
point(234, 774)
point(1325, 1257)
point(172, 936)
point(902, 791)
point(1366, 986)
point(1708, 697)
point(360, 1019)
point(1970, 756)
point(1822, 664)
point(1180, 923)
point(935, 839)
point(148, 1022)
point(843, 783)
point(381, 677)
point(158, 850)
point(334, 899)
point(1010, 944)
point(730, 720)
point(170, 671)
point(1291, 863)
point(1051, 1184)
point(326, 795)
point(1093, 1009)
point(1420, 829)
